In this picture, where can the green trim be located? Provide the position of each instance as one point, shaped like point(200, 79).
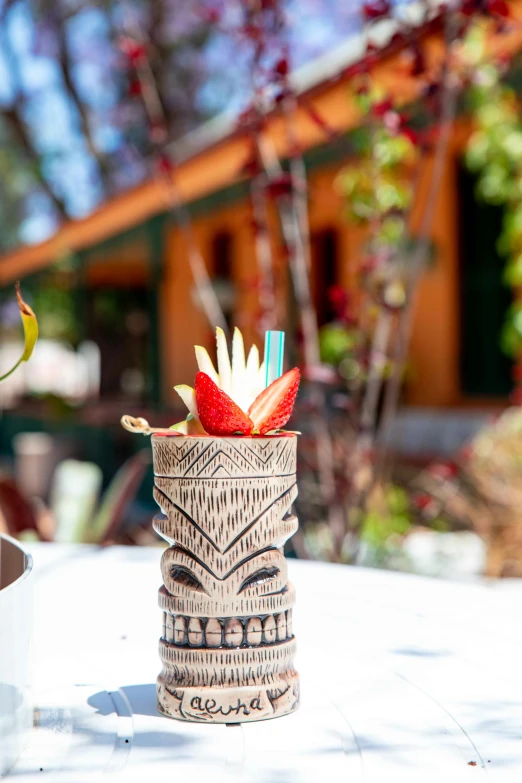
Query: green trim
point(130, 235)
point(218, 199)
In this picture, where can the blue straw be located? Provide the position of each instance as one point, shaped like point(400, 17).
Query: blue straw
point(274, 349)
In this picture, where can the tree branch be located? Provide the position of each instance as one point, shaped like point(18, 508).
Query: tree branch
point(63, 61)
point(13, 114)
point(19, 130)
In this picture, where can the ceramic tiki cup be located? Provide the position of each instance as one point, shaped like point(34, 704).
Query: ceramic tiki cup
point(227, 646)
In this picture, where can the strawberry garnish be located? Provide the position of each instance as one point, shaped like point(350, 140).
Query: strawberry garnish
point(218, 413)
point(273, 407)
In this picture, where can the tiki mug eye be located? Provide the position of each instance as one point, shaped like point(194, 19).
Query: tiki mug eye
point(265, 574)
point(184, 577)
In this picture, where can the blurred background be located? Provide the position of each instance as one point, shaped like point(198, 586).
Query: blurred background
point(350, 173)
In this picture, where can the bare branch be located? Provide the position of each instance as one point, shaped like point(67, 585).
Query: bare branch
point(19, 131)
point(14, 115)
point(65, 67)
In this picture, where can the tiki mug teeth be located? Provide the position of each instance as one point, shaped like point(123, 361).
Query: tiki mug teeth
point(227, 645)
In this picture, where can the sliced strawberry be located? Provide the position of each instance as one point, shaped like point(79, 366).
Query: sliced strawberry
point(273, 407)
point(218, 413)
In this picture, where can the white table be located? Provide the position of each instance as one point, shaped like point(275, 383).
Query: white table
point(403, 679)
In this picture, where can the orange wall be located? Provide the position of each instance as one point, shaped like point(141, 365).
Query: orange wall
point(433, 365)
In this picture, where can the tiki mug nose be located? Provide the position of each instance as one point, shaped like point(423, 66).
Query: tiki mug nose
point(227, 646)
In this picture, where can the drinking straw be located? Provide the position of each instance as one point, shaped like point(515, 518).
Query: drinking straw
point(274, 348)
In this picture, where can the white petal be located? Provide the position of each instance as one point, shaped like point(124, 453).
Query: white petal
point(238, 389)
point(205, 363)
point(223, 360)
point(188, 395)
point(252, 365)
point(251, 377)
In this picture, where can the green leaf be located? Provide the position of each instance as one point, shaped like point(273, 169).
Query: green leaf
point(30, 325)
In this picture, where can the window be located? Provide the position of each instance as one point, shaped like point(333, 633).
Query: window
point(223, 273)
point(118, 322)
point(324, 246)
point(484, 299)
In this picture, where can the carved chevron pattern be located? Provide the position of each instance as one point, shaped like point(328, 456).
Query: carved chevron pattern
point(226, 597)
point(176, 457)
point(222, 510)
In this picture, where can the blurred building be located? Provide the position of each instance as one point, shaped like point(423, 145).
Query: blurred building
point(133, 266)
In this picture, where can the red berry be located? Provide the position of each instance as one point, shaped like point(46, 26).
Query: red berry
point(273, 407)
point(218, 413)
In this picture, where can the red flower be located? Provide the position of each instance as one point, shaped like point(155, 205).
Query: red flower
point(133, 50)
point(362, 67)
point(422, 501)
point(382, 108)
point(418, 61)
point(135, 87)
point(250, 120)
point(469, 7)
point(319, 120)
point(280, 186)
point(376, 9)
point(282, 67)
point(158, 132)
point(392, 121)
point(466, 452)
point(444, 470)
point(410, 134)
point(165, 164)
point(498, 8)
point(251, 166)
point(210, 15)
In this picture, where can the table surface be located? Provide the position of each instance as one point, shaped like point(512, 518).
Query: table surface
point(403, 679)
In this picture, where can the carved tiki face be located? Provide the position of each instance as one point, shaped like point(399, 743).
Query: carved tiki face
point(227, 645)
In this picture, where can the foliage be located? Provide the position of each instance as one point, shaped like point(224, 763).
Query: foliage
point(480, 490)
point(389, 517)
point(54, 296)
point(378, 190)
point(337, 342)
point(494, 152)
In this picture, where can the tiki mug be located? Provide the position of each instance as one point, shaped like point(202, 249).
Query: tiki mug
point(227, 646)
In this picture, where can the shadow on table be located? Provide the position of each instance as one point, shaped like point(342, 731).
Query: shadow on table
point(142, 699)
